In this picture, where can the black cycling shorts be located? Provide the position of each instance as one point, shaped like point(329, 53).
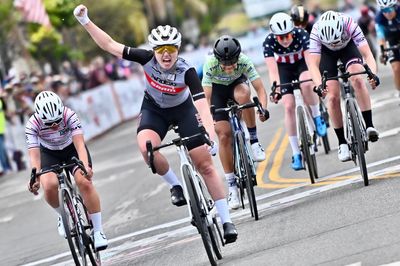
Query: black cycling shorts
point(394, 55)
point(158, 119)
point(348, 55)
point(49, 157)
point(221, 94)
point(290, 72)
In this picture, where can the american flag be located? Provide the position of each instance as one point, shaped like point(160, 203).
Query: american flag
point(33, 11)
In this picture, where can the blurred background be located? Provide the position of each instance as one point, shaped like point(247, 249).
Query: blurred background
point(43, 47)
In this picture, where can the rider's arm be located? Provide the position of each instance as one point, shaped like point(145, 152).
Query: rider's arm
point(102, 39)
point(366, 53)
point(80, 147)
point(200, 101)
point(262, 95)
point(312, 61)
point(380, 34)
point(34, 157)
point(208, 93)
point(272, 69)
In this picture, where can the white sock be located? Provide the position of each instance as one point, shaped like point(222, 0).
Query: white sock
point(96, 221)
point(294, 143)
point(230, 179)
point(315, 110)
point(171, 178)
point(223, 210)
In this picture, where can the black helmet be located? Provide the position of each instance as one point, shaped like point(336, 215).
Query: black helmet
point(227, 50)
point(299, 15)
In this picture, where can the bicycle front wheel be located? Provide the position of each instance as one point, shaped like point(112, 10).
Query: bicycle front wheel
point(70, 220)
point(247, 175)
point(357, 141)
point(199, 214)
point(305, 139)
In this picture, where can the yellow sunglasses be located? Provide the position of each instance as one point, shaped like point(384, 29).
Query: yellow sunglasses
point(168, 48)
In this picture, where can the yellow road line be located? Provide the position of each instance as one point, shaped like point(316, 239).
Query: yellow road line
point(262, 165)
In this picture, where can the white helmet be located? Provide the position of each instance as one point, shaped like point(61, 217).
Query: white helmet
point(386, 3)
point(164, 35)
point(48, 106)
point(281, 23)
point(330, 27)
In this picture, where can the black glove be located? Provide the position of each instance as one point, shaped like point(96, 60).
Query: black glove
point(319, 90)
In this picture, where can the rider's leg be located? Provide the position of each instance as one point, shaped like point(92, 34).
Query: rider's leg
point(223, 130)
point(363, 99)
point(242, 96)
point(396, 75)
point(312, 100)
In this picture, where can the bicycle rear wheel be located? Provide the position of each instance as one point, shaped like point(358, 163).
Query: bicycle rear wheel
point(70, 220)
point(305, 139)
point(199, 215)
point(247, 175)
point(358, 142)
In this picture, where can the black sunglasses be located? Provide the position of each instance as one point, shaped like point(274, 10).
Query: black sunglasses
point(54, 123)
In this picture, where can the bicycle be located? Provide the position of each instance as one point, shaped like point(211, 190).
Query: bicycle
point(75, 216)
point(244, 165)
point(305, 128)
point(355, 132)
point(201, 207)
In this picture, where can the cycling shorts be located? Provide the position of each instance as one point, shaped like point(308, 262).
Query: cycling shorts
point(158, 119)
point(348, 55)
point(394, 55)
point(290, 72)
point(49, 157)
point(221, 94)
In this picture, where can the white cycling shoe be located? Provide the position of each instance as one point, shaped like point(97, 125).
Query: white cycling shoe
point(258, 152)
point(344, 153)
point(100, 240)
point(60, 227)
point(233, 199)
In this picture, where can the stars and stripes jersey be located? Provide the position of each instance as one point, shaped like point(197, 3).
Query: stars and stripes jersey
point(38, 134)
point(351, 31)
point(168, 88)
point(213, 73)
point(293, 53)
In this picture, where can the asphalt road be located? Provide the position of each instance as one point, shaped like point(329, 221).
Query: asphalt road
point(337, 221)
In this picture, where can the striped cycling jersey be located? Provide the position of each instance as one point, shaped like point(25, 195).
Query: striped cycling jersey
point(351, 31)
point(291, 54)
point(213, 72)
point(37, 134)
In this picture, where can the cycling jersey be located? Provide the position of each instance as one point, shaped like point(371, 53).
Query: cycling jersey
point(351, 31)
point(168, 88)
point(213, 72)
point(388, 29)
point(38, 134)
point(291, 54)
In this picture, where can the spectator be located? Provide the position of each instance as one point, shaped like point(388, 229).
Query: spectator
point(4, 162)
point(97, 75)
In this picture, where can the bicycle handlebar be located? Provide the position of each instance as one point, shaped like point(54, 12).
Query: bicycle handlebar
point(387, 49)
point(346, 75)
point(57, 169)
point(294, 83)
point(177, 142)
point(235, 108)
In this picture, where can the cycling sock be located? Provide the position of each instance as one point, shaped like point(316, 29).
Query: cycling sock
point(340, 135)
point(315, 110)
point(223, 210)
point(294, 143)
point(367, 115)
point(231, 179)
point(96, 221)
point(171, 178)
point(253, 134)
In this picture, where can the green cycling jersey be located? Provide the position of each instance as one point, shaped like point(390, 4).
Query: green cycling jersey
point(213, 72)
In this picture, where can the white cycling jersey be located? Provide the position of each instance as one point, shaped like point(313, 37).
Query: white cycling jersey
point(38, 134)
